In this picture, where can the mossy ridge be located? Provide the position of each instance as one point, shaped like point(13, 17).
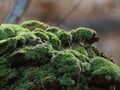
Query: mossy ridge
point(49, 37)
point(3, 34)
point(9, 31)
point(63, 35)
point(10, 44)
point(41, 33)
point(78, 55)
point(33, 24)
point(54, 41)
point(104, 68)
point(15, 28)
point(67, 66)
point(53, 29)
point(85, 35)
point(80, 49)
point(34, 55)
point(84, 60)
point(37, 77)
point(65, 38)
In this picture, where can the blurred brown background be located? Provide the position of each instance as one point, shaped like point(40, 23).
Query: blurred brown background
point(101, 15)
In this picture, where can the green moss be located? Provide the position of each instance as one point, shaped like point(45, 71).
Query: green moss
point(78, 55)
point(86, 67)
point(66, 81)
point(39, 54)
point(91, 52)
point(36, 77)
point(6, 45)
point(3, 34)
point(48, 58)
point(40, 33)
point(4, 60)
point(65, 38)
point(95, 49)
point(39, 75)
point(67, 66)
point(53, 29)
point(104, 68)
point(84, 60)
point(30, 38)
point(15, 31)
point(39, 30)
point(54, 41)
point(21, 84)
point(51, 38)
point(84, 35)
point(80, 49)
point(26, 85)
point(9, 32)
point(7, 75)
point(6, 33)
point(15, 28)
point(32, 24)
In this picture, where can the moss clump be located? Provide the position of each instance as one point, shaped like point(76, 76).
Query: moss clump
point(33, 24)
point(48, 37)
point(54, 41)
point(63, 35)
point(84, 35)
point(68, 68)
point(78, 55)
point(3, 34)
point(104, 68)
point(9, 44)
point(53, 29)
point(39, 54)
point(80, 49)
point(35, 78)
point(65, 38)
point(35, 56)
point(6, 33)
point(40, 33)
point(15, 28)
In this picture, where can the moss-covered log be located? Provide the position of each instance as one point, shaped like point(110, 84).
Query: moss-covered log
point(36, 56)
